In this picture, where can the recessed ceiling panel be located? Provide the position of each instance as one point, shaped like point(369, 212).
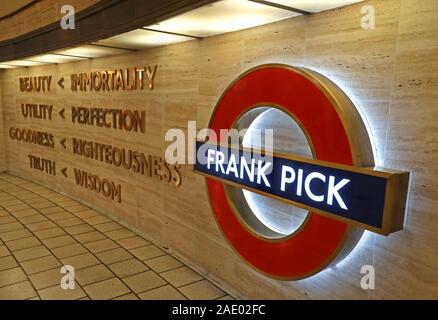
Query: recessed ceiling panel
point(141, 39)
point(24, 63)
point(5, 66)
point(90, 51)
point(221, 17)
point(54, 58)
point(315, 5)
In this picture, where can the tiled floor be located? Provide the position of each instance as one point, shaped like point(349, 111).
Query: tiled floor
point(41, 231)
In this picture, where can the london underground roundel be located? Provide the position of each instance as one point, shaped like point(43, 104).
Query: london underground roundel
point(340, 187)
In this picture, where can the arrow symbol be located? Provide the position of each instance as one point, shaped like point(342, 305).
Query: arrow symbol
point(61, 113)
point(64, 172)
point(60, 82)
point(63, 143)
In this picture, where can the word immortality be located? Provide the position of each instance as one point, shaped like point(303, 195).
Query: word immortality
point(114, 80)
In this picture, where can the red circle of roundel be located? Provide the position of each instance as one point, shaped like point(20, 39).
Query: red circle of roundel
point(313, 247)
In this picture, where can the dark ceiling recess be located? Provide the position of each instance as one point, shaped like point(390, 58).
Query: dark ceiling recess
point(104, 19)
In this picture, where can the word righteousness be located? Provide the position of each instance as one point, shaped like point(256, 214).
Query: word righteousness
point(138, 162)
point(114, 80)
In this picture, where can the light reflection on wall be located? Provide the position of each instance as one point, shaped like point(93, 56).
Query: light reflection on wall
point(287, 138)
point(375, 141)
point(367, 236)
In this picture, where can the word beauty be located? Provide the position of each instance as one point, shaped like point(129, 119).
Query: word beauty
point(114, 80)
point(35, 84)
point(356, 195)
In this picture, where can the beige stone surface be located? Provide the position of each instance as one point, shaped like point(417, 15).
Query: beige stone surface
point(31, 253)
point(40, 264)
point(93, 274)
point(46, 279)
point(114, 255)
point(7, 262)
point(202, 290)
point(57, 293)
point(11, 276)
point(81, 261)
point(144, 281)
point(180, 276)
point(18, 291)
point(390, 72)
point(162, 293)
point(127, 267)
point(28, 242)
point(163, 263)
point(106, 289)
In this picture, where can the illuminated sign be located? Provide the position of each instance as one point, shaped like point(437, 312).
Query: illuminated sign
point(341, 187)
point(344, 192)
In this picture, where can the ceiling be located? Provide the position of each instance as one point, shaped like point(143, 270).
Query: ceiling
point(213, 19)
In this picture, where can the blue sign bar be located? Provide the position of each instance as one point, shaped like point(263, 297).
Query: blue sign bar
point(348, 194)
